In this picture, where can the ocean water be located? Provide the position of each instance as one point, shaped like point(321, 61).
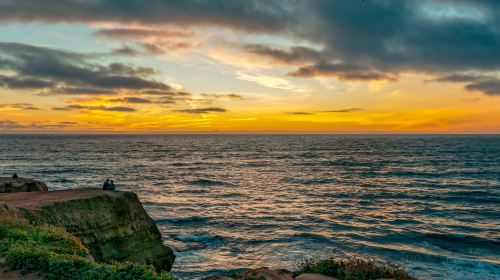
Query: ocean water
point(229, 202)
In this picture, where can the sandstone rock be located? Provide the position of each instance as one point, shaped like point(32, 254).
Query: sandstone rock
point(308, 276)
point(270, 274)
point(111, 224)
point(263, 273)
point(12, 185)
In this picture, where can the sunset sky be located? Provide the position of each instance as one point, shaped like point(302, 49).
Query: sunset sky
point(238, 66)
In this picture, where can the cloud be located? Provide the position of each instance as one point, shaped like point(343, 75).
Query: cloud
point(292, 55)
point(202, 110)
point(347, 110)
point(258, 15)
point(385, 38)
point(486, 84)
point(341, 71)
point(61, 72)
point(7, 124)
point(22, 106)
point(127, 51)
point(126, 34)
point(299, 113)
point(24, 83)
point(454, 77)
point(95, 108)
point(136, 100)
point(12, 125)
point(222, 95)
point(165, 47)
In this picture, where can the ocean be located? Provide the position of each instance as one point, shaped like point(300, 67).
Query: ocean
point(229, 202)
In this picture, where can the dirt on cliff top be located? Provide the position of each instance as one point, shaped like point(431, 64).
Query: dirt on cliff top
point(35, 200)
point(14, 275)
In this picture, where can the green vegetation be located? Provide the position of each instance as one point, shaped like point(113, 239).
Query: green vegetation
point(354, 268)
point(56, 254)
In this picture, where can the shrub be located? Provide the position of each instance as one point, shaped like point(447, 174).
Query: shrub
point(57, 255)
point(354, 268)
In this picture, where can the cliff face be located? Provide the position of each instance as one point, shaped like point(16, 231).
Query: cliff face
point(10, 185)
point(111, 224)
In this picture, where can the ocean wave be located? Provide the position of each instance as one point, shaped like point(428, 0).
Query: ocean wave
point(205, 238)
point(457, 242)
point(183, 220)
point(207, 183)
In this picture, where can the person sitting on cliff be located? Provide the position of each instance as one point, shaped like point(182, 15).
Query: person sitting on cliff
point(15, 176)
point(112, 186)
point(105, 186)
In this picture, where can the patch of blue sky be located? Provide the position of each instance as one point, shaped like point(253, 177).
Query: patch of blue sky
point(450, 10)
point(74, 37)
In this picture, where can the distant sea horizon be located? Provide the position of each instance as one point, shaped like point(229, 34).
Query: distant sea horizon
point(229, 201)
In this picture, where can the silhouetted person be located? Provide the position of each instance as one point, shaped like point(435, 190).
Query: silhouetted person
point(15, 176)
point(112, 186)
point(105, 186)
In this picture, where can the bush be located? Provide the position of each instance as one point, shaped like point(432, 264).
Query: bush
point(56, 254)
point(353, 268)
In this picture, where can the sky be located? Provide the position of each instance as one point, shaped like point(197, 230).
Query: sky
point(261, 66)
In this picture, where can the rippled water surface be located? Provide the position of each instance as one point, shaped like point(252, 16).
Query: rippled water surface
point(226, 202)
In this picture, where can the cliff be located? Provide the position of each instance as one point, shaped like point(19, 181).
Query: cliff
point(112, 225)
point(11, 185)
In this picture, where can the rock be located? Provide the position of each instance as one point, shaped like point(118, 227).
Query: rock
point(12, 185)
point(113, 225)
point(308, 276)
point(270, 274)
point(263, 273)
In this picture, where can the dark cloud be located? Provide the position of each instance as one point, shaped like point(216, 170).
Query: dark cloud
point(95, 108)
point(11, 125)
point(457, 78)
point(257, 15)
point(61, 72)
point(292, 55)
point(77, 90)
point(299, 113)
point(136, 33)
point(24, 83)
point(348, 110)
point(23, 106)
point(127, 51)
point(7, 124)
point(342, 72)
point(489, 85)
point(203, 110)
point(136, 100)
point(222, 95)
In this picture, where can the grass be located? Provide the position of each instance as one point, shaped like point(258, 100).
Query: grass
point(55, 254)
point(353, 268)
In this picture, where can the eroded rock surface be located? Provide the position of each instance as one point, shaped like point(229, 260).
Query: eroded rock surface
point(113, 225)
point(265, 273)
point(12, 185)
